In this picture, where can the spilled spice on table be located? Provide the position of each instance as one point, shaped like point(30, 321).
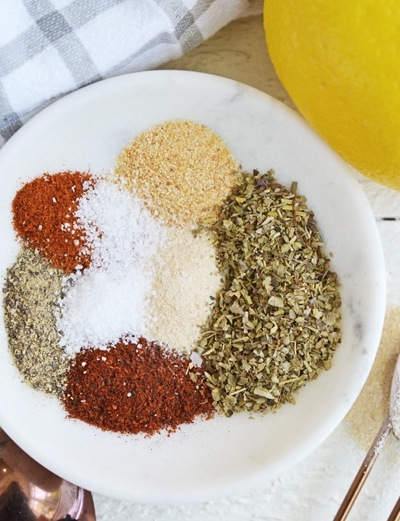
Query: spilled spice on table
point(372, 405)
point(135, 387)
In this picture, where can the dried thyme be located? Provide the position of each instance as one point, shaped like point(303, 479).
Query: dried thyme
point(276, 321)
point(31, 291)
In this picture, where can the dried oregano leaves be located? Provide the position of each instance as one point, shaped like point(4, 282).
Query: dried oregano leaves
point(276, 321)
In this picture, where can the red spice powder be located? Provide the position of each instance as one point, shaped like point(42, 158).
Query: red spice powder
point(43, 216)
point(134, 388)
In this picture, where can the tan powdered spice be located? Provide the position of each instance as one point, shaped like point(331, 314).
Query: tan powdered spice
point(372, 405)
point(187, 280)
point(182, 170)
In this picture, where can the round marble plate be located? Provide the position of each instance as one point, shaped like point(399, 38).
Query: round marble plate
point(207, 459)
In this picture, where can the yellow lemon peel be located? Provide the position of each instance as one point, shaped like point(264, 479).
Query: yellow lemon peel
point(339, 62)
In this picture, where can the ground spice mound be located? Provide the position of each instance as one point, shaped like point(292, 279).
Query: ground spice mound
point(182, 170)
point(43, 216)
point(135, 387)
point(31, 290)
point(186, 281)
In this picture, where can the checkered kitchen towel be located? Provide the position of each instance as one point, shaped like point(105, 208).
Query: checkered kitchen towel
point(51, 47)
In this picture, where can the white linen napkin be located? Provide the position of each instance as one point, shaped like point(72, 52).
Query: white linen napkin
point(49, 48)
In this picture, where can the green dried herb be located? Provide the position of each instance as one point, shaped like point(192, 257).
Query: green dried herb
point(275, 323)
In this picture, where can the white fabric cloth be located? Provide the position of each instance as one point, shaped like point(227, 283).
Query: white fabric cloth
point(49, 48)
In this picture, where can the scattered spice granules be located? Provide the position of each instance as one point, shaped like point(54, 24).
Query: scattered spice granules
point(372, 405)
point(31, 291)
point(135, 388)
point(276, 321)
point(181, 169)
point(43, 216)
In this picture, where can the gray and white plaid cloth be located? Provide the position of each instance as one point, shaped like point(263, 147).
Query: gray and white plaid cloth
point(51, 47)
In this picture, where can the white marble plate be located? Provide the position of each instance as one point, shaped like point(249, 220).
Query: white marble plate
point(208, 459)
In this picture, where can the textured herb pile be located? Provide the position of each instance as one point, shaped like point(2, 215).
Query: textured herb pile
point(276, 321)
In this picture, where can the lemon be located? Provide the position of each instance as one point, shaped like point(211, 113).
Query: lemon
point(339, 60)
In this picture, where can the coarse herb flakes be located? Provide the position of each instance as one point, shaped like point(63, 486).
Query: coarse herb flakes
point(276, 321)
